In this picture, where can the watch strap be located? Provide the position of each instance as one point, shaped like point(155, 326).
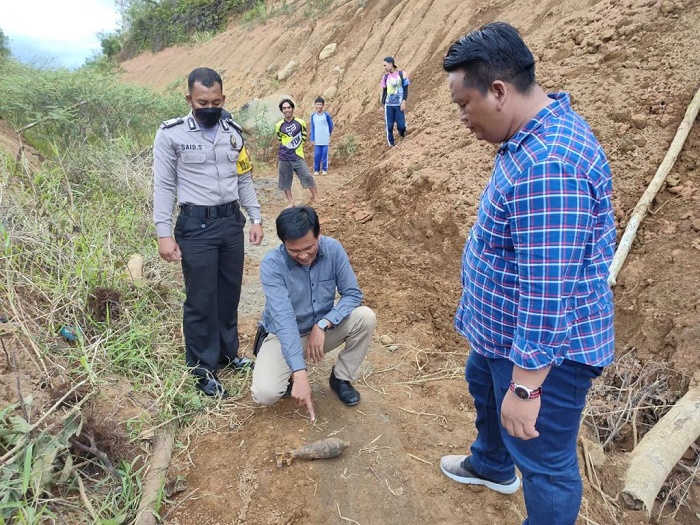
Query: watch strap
point(519, 389)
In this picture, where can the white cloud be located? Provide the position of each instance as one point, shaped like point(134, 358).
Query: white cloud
point(66, 30)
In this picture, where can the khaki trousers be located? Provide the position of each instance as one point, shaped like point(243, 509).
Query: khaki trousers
point(271, 373)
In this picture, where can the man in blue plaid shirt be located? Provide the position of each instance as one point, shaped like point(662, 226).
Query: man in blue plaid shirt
point(536, 307)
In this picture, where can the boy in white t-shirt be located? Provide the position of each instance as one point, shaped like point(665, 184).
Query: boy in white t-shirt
point(321, 125)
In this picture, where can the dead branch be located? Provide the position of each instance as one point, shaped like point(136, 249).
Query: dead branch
point(160, 460)
point(92, 449)
point(660, 449)
point(349, 520)
point(643, 205)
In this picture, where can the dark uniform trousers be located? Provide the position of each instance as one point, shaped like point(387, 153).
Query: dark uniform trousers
point(212, 247)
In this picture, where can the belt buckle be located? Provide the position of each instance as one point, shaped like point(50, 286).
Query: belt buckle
point(207, 213)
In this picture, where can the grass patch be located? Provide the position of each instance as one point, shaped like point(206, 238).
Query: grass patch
point(71, 447)
point(347, 147)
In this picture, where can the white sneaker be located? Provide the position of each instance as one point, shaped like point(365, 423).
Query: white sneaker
point(315, 173)
point(459, 469)
point(324, 173)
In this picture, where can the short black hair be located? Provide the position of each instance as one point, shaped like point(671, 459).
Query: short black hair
point(288, 101)
point(495, 51)
point(295, 222)
point(205, 76)
point(320, 99)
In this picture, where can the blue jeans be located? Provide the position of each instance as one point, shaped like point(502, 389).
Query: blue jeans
point(394, 115)
point(549, 465)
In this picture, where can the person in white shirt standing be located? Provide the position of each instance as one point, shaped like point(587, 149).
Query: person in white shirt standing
point(320, 136)
point(394, 95)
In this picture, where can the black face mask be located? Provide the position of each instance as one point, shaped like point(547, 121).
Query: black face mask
point(207, 117)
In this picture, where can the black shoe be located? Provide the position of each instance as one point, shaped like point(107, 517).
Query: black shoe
point(211, 387)
point(346, 392)
point(237, 363)
point(288, 392)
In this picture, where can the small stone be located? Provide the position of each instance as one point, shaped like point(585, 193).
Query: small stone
point(330, 92)
point(673, 180)
point(386, 340)
point(363, 216)
point(639, 121)
point(607, 35)
point(327, 51)
point(668, 8)
point(287, 70)
point(392, 348)
point(595, 452)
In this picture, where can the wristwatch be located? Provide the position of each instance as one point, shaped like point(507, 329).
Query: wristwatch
point(525, 393)
point(256, 221)
point(324, 324)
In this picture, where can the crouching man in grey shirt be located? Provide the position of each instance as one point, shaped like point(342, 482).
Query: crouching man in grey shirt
point(301, 321)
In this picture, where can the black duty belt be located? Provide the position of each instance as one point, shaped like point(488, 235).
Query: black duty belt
point(209, 212)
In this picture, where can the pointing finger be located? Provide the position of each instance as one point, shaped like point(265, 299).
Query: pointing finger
point(310, 408)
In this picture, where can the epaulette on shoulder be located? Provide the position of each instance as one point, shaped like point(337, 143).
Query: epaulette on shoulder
point(237, 126)
point(172, 122)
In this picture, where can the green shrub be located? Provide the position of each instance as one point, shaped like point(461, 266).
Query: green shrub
point(348, 146)
point(154, 26)
point(89, 105)
point(256, 15)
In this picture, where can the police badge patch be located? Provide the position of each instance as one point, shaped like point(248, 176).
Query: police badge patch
point(234, 142)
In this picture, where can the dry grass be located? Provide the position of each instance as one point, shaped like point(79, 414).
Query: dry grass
point(624, 404)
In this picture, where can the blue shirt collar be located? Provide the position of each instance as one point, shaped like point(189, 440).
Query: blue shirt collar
point(561, 105)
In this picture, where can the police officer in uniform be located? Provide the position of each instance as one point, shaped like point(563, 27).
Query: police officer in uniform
point(202, 161)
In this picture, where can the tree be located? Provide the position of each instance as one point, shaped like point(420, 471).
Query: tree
point(4, 45)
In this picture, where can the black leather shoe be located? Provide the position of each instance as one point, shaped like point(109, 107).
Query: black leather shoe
point(211, 387)
point(346, 392)
point(288, 392)
point(238, 363)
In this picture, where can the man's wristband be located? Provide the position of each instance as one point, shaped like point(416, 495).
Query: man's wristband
point(256, 221)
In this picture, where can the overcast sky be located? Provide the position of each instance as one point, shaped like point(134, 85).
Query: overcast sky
point(62, 31)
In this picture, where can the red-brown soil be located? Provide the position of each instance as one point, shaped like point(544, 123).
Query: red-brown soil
point(631, 67)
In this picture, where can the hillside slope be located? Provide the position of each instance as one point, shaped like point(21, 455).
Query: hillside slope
point(631, 67)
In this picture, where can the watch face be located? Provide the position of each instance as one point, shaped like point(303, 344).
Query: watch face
point(323, 324)
point(521, 392)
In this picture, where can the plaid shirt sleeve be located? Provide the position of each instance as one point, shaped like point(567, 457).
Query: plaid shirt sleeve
point(550, 212)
